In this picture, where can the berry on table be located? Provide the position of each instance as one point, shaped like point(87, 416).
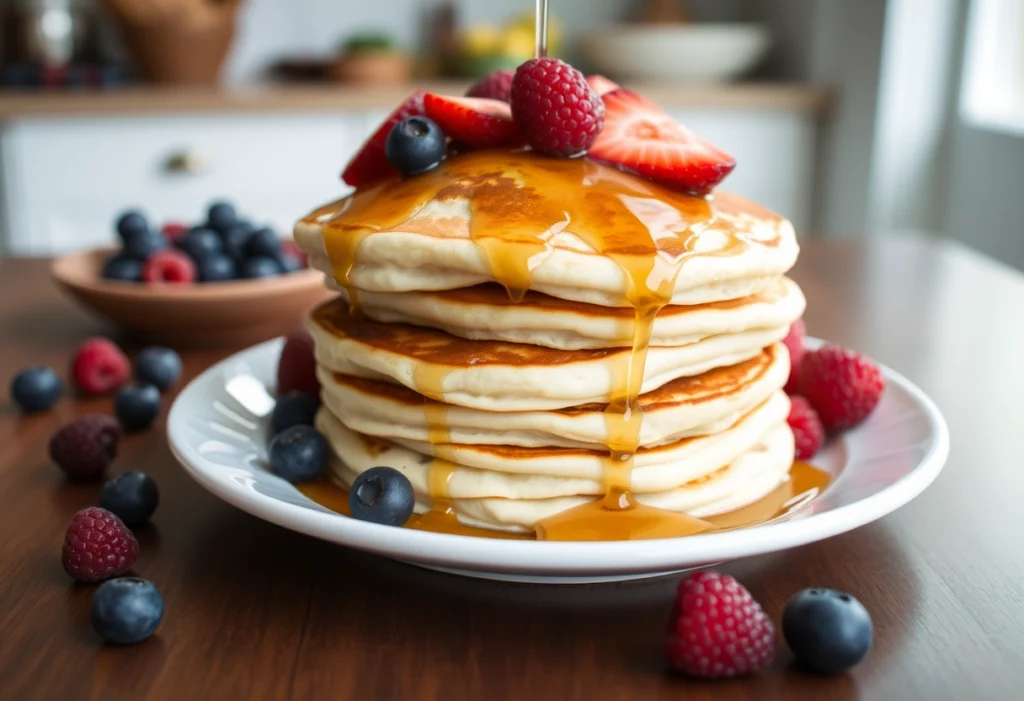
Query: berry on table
point(131, 223)
point(170, 267)
point(84, 448)
point(294, 409)
point(263, 243)
point(415, 145)
point(36, 388)
point(126, 610)
point(717, 630)
point(382, 495)
point(299, 453)
point(120, 267)
point(132, 497)
point(828, 631)
point(794, 342)
point(137, 406)
point(496, 85)
point(296, 369)
point(260, 267)
point(843, 386)
point(98, 366)
point(555, 109)
point(371, 162)
point(98, 546)
point(221, 215)
point(159, 366)
point(200, 243)
point(807, 429)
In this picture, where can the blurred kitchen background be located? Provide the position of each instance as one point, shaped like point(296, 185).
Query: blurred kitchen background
point(851, 117)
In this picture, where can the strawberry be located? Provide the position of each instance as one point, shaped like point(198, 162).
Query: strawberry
point(640, 137)
point(600, 84)
point(477, 122)
point(370, 163)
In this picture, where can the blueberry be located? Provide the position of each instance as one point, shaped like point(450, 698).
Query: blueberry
point(127, 610)
point(221, 215)
point(137, 406)
point(122, 268)
point(263, 243)
point(36, 388)
point(132, 497)
point(827, 630)
point(415, 145)
point(260, 267)
point(234, 239)
point(142, 245)
point(158, 366)
point(200, 243)
point(294, 409)
point(131, 223)
point(299, 453)
point(217, 267)
point(382, 495)
point(288, 262)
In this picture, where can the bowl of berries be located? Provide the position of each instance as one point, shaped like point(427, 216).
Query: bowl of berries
point(222, 281)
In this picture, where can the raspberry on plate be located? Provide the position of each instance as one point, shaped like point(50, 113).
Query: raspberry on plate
point(717, 630)
point(169, 266)
point(371, 162)
point(556, 110)
point(794, 342)
point(99, 367)
point(843, 386)
point(98, 546)
point(807, 429)
point(84, 448)
point(496, 85)
point(296, 370)
point(476, 122)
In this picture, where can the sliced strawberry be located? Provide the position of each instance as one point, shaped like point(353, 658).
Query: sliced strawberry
point(477, 122)
point(639, 137)
point(371, 163)
point(600, 84)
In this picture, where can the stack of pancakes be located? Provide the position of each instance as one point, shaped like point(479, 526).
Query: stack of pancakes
point(479, 340)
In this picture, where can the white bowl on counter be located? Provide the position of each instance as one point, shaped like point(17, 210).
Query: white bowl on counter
point(698, 53)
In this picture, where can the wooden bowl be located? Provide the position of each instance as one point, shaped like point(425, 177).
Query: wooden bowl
point(211, 314)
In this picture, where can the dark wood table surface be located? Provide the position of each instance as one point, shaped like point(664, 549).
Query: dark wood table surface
point(257, 612)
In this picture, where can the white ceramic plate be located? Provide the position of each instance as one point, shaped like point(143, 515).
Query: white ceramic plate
point(217, 429)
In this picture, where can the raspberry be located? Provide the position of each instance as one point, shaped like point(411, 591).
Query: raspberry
point(174, 231)
point(98, 546)
point(169, 266)
point(717, 630)
point(84, 448)
point(794, 341)
point(99, 367)
point(807, 429)
point(496, 85)
point(842, 386)
point(296, 370)
point(554, 107)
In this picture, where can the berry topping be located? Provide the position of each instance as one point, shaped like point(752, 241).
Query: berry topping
point(371, 162)
point(717, 630)
point(827, 630)
point(554, 108)
point(296, 370)
point(601, 85)
point(127, 610)
point(294, 409)
point(476, 122)
point(263, 243)
point(382, 495)
point(84, 448)
point(639, 137)
point(122, 268)
point(132, 497)
point(299, 453)
point(807, 429)
point(221, 215)
point(36, 389)
point(415, 145)
point(496, 85)
point(131, 223)
point(158, 366)
point(172, 267)
point(842, 386)
point(200, 243)
point(137, 406)
point(99, 366)
point(794, 342)
point(98, 546)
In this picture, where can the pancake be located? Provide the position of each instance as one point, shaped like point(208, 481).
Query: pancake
point(499, 376)
point(569, 228)
point(686, 407)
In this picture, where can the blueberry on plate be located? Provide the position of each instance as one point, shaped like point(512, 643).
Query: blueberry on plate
point(258, 267)
point(36, 389)
point(415, 145)
point(217, 267)
point(131, 223)
point(221, 215)
point(122, 268)
point(127, 610)
point(200, 243)
point(132, 497)
point(158, 366)
point(263, 243)
point(828, 631)
point(142, 245)
point(299, 453)
point(234, 239)
point(382, 495)
point(293, 409)
point(137, 406)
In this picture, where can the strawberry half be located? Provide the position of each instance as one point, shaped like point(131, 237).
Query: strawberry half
point(477, 122)
point(600, 84)
point(371, 163)
point(640, 137)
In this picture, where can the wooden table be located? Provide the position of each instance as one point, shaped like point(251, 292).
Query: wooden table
point(257, 612)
